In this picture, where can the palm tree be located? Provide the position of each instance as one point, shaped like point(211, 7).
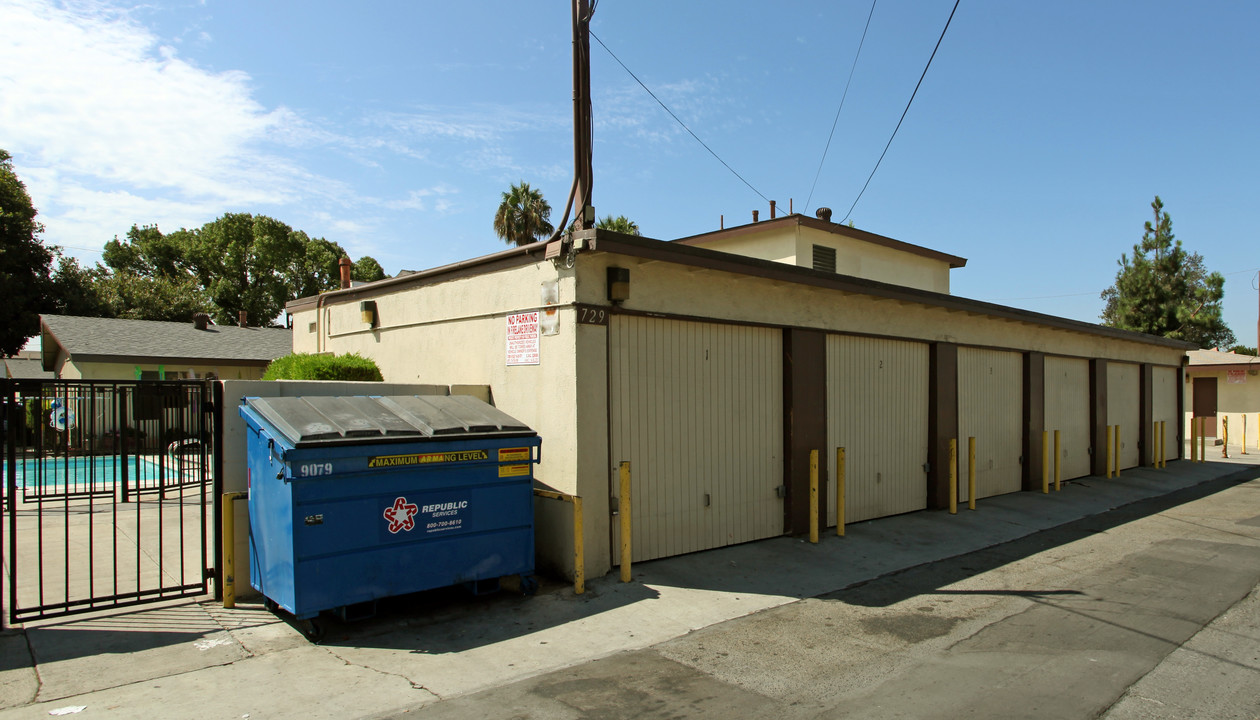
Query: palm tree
point(523, 217)
point(620, 224)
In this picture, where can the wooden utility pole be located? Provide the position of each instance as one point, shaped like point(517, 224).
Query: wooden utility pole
point(582, 142)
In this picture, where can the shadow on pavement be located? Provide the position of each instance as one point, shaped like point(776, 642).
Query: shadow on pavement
point(452, 620)
point(931, 577)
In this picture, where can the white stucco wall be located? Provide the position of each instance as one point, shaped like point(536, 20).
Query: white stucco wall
point(669, 288)
point(1237, 401)
point(794, 245)
point(454, 332)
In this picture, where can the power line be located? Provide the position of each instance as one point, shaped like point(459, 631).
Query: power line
point(671, 114)
point(842, 98)
point(903, 112)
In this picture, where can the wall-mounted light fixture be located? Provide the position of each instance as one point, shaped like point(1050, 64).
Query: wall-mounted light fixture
point(367, 309)
point(618, 284)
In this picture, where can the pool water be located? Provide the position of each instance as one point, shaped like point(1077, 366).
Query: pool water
point(74, 474)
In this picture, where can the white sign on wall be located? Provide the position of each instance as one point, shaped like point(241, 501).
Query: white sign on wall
point(522, 339)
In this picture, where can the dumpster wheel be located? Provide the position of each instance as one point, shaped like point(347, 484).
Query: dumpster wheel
point(313, 629)
point(529, 585)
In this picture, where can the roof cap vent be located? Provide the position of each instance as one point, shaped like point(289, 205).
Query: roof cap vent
point(823, 213)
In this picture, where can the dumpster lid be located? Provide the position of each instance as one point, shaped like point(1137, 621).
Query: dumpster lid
point(361, 419)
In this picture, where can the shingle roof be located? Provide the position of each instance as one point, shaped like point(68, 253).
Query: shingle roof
point(25, 368)
point(112, 339)
point(1199, 358)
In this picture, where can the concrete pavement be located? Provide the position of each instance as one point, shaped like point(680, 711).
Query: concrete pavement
point(199, 660)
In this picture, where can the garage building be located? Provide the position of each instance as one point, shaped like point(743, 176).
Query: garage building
point(714, 364)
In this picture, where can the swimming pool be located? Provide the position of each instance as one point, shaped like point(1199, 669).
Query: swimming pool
point(101, 473)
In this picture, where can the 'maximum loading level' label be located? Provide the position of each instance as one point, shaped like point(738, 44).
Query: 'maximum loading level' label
point(381, 461)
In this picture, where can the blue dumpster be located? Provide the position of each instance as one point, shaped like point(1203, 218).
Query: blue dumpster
point(353, 499)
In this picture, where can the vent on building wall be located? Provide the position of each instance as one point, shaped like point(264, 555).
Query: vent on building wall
point(824, 258)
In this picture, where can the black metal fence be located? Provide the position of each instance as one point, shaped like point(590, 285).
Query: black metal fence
point(109, 490)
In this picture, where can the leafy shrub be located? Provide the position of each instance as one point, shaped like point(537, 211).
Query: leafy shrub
point(305, 366)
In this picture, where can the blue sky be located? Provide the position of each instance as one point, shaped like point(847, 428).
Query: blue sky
point(1039, 137)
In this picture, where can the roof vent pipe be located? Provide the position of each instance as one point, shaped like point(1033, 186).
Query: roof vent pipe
point(244, 319)
point(823, 213)
point(345, 264)
point(754, 216)
point(771, 209)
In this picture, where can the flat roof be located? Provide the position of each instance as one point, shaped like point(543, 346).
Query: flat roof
point(826, 226)
point(1213, 358)
point(685, 254)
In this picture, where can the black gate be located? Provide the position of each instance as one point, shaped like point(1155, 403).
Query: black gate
point(109, 493)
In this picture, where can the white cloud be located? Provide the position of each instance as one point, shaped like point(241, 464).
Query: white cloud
point(110, 125)
point(423, 199)
point(104, 120)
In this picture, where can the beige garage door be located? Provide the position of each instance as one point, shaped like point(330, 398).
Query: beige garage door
point(990, 409)
point(1067, 410)
point(697, 409)
point(1124, 384)
point(877, 410)
point(1164, 407)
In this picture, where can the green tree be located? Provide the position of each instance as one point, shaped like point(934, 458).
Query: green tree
point(366, 269)
point(523, 216)
point(25, 262)
point(316, 268)
point(238, 262)
point(1243, 350)
point(239, 259)
point(132, 296)
point(1163, 290)
point(150, 276)
point(77, 290)
point(620, 224)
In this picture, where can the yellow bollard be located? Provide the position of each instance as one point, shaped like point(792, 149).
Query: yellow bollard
point(579, 551)
point(1194, 441)
point(1058, 476)
point(625, 521)
point(229, 547)
point(840, 492)
point(1045, 461)
point(1244, 437)
point(1109, 460)
point(953, 476)
point(1224, 436)
point(813, 496)
point(1202, 439)
point(971, 473)
point(1117, 451)
point(1159, 444)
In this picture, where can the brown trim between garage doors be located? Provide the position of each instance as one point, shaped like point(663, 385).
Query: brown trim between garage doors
point(805, 414)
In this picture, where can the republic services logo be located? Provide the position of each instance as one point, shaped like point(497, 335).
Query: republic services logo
point(401, 515)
